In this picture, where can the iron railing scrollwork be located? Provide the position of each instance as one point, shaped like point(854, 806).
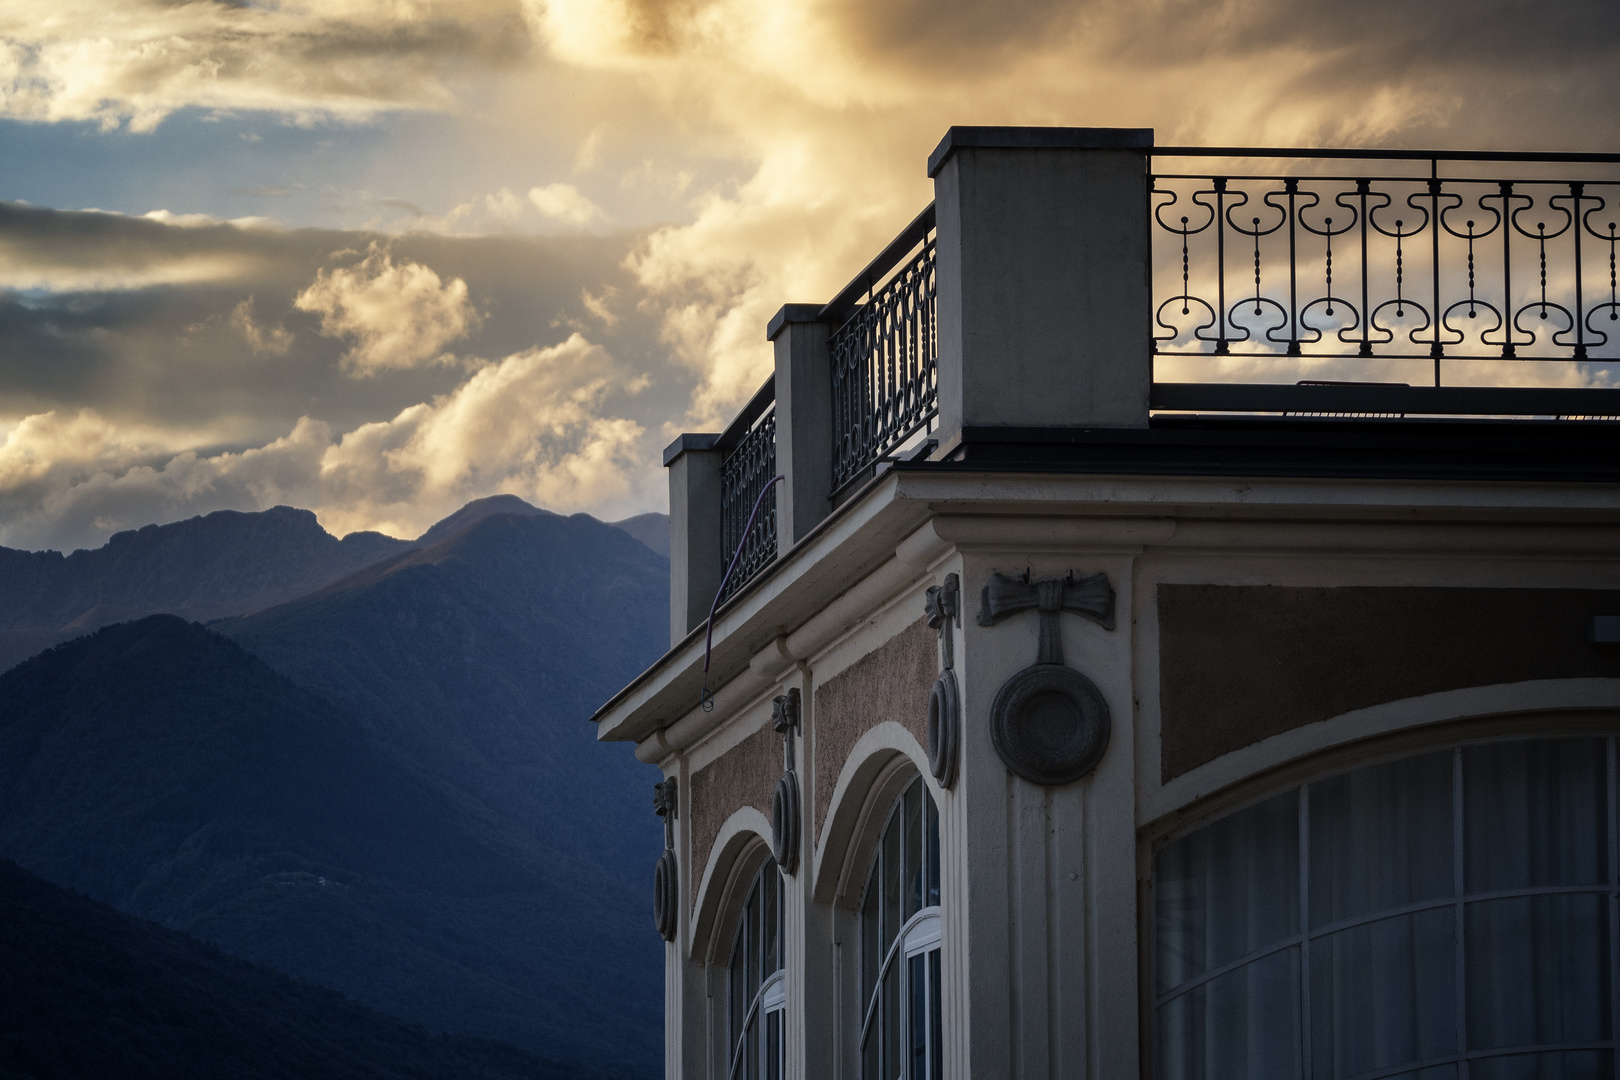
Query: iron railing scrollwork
point(1347, 269)
point(884, 355)
point(744, 473)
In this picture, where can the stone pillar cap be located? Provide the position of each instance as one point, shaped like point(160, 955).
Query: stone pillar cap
point(791, 313)
point(689, 441)
point(1038, 138)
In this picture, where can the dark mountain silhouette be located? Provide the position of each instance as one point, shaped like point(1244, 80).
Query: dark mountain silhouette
point(650, 529)
point(476, 511)
point(86, 991)
point(158, 767)
point(210, 567)
point(478, 658)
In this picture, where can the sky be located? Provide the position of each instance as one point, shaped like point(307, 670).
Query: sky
point(380, 257)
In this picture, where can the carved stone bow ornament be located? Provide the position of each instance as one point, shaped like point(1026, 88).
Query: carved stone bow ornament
point(666, 882)
point(785, 828)
point(1049, 723)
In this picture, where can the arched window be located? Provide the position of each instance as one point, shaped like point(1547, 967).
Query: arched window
point(757, 991)
point(1449, 916)
point(900, 1020)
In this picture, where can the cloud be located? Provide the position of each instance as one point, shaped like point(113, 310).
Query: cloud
point(398, 316)
point(564, 203)
point(532, 425)
point(261, 339)
point(135, 63)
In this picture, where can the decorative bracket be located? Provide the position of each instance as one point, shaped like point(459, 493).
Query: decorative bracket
point(944, 608)
point(666, 883)
point(1049, 723)
point(785, 805)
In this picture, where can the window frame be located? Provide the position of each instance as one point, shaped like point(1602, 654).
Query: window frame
point(1298, 777)
point(919, 934)
point(769, 997)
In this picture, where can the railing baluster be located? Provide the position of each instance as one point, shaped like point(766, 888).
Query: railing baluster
point(888, 347)
point(1506, 187)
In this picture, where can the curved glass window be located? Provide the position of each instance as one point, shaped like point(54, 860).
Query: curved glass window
point(900, 1021)
point(1450, 916)
point(757, 993)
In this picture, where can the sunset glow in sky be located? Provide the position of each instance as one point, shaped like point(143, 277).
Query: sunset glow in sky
point(380, 257)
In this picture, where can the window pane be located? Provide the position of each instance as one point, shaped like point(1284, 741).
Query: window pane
point(771, 887)
point(891, 879)
point(872, 1053)
point(1537, 970)
point(736, 1001)
point(1569, 1065)
point(917, 1025)
point(1384, 994)
point(773, 1046)
point(1535, 813)
point(911, 812)
point(750, 1067)
point(871, 936)
point(933, 851)
point(751, 939)
point(1228, 889)
point(1242, 1024)
point(1381, 837)
point(936, 1028)
point(891, 1023)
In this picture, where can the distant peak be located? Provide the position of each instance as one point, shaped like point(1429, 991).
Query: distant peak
point(476, 511)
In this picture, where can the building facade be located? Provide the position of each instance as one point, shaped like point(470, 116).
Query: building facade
point(1164, 629)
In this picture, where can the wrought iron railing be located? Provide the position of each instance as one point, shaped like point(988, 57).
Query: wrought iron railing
point(1400, 275)
point(884, 353)
point(745, 471)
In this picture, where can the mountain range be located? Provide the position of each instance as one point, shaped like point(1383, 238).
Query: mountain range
point(210, 567)
point(383, 784)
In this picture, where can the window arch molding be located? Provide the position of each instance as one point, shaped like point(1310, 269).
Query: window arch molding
point(883, 762)
point(1352, 732)
point(1332, 756)
point(740, 847)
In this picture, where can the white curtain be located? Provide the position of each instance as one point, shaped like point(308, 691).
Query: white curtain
point(1435, 918)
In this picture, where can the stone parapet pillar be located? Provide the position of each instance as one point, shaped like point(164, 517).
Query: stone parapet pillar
point(804, 444)
point(694, 530)
point(1043, 277)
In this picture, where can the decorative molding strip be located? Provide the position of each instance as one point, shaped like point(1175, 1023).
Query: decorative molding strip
point(786, 815)
point(666, 880)
point(944, 607)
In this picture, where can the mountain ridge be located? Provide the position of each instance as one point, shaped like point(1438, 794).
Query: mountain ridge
point(219, 565)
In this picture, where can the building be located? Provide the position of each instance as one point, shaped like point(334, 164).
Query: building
point(1182, 642)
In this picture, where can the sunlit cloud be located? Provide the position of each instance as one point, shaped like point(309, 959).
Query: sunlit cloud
point(396, 315)
point(133, 64)
point(532, 424)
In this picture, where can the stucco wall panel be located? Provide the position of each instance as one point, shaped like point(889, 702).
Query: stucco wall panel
point(745, 775)
point(890, 683)
point(1238, 664)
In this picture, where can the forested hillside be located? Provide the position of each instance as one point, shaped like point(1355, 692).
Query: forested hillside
point(87, 991)
point(159, 767)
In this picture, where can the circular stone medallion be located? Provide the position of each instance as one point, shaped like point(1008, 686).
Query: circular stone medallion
point(1050, 724)
point(666, 902)
point(942, 729)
